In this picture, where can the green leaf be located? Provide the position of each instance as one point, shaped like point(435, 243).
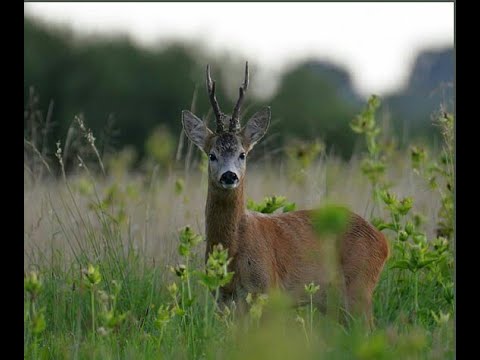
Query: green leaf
point(405, 205)
point(330, 220)
point(289, 207)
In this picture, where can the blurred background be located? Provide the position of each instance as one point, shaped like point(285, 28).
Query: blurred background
point(128, 70)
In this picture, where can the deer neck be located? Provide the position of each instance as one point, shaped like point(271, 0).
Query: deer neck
point(224, 211)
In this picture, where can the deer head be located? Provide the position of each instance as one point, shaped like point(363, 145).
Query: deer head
point(227, 147)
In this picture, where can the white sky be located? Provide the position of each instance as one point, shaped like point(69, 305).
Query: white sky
point(376, 42)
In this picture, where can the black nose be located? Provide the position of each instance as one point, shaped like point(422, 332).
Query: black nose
point(229, 178)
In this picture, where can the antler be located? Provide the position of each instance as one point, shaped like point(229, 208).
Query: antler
point(214, 102)
point(235, 121)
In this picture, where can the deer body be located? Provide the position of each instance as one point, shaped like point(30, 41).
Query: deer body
point(283, 251)
point(279, 250)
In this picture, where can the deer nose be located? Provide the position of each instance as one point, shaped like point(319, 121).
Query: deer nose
point(229, 178)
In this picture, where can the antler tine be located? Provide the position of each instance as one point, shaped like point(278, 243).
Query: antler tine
point(213, 101)
point(235, 121)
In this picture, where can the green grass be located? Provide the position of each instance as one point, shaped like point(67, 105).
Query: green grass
point(111, 272)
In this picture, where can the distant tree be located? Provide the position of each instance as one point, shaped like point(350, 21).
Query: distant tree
point(312, 102)
point(125, 91)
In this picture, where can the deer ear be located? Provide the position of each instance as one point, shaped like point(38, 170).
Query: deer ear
point(256, 127)
point(195, 129)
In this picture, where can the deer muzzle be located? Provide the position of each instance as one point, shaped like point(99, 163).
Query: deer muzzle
point(229, 180)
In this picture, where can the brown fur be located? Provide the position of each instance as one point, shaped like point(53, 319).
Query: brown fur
point(282, 250)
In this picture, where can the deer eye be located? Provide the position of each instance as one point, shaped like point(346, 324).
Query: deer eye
point(242, 156)
point(212, 157)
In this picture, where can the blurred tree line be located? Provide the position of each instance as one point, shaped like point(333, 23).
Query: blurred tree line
point(130, 96)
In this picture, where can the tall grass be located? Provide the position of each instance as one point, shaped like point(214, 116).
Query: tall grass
point(114, 259)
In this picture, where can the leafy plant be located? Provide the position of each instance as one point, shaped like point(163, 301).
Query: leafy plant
point(374, 164)
point(428, 263)
point(270, 204)
point(34, 317)
point(439, 174)
point(91, 278)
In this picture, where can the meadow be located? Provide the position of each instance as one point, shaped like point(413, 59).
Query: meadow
point(114, 258)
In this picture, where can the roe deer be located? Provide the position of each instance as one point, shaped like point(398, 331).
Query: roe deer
point(274, 250)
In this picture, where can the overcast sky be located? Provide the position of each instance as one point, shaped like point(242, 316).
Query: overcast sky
point(376, 42)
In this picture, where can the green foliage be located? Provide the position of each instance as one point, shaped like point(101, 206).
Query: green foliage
point(113, 202)
point(310, 289)
point(177, 322)
point(270, 204)
point(34, 318)
point(38, 323)
point(373, 165)
point(216, 270)
point(439, 173)
point(188, 240)
point(330, 220)
point(418, 156)
point(32, 284)
point(91, 276)
point(427, 264)
point(109, 315)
